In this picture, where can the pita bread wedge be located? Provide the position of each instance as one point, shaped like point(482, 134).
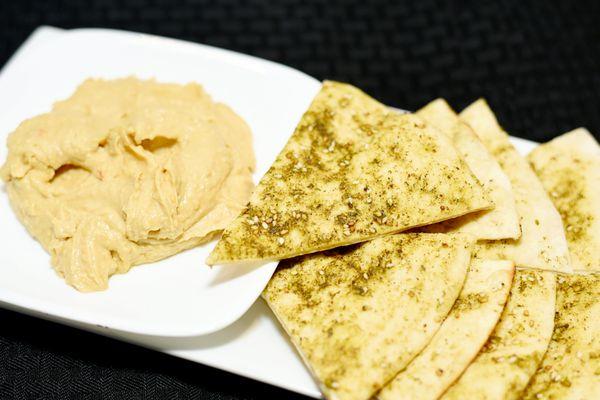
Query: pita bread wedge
point(569, 168)
point(460, 337)
point(513, 352)
point(501, 222)
point(571, 367)
point(352, 171)
point(542, 244)
point(357, 315)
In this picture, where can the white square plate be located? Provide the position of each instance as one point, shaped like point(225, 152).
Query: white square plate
point(254, 346)
point(179, 296)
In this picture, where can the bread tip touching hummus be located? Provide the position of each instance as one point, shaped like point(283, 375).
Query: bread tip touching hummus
point(126, 172)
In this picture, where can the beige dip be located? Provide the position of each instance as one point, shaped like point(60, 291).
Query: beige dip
point(126, 172)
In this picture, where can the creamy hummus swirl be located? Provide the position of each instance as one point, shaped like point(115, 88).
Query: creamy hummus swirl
point(126, 172)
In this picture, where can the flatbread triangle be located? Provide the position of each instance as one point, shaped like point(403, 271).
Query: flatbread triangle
point(461, 336)
point(570, 369)
point(542, 244)
point(352, 171)
point(502, 221)
point(569, 168)
point(358, 315)
point(517, 345)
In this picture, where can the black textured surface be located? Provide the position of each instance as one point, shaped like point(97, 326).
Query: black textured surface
point(537, 64)
point(44, 360)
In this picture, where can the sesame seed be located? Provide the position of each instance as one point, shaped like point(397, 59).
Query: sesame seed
point(281, 241)
point(265, 225)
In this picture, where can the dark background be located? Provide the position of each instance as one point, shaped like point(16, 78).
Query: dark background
point(535, 62)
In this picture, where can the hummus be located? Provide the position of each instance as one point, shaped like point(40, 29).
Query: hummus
point(126, 172)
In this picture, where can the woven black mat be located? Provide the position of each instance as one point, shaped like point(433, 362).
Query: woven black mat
point(537, 63)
